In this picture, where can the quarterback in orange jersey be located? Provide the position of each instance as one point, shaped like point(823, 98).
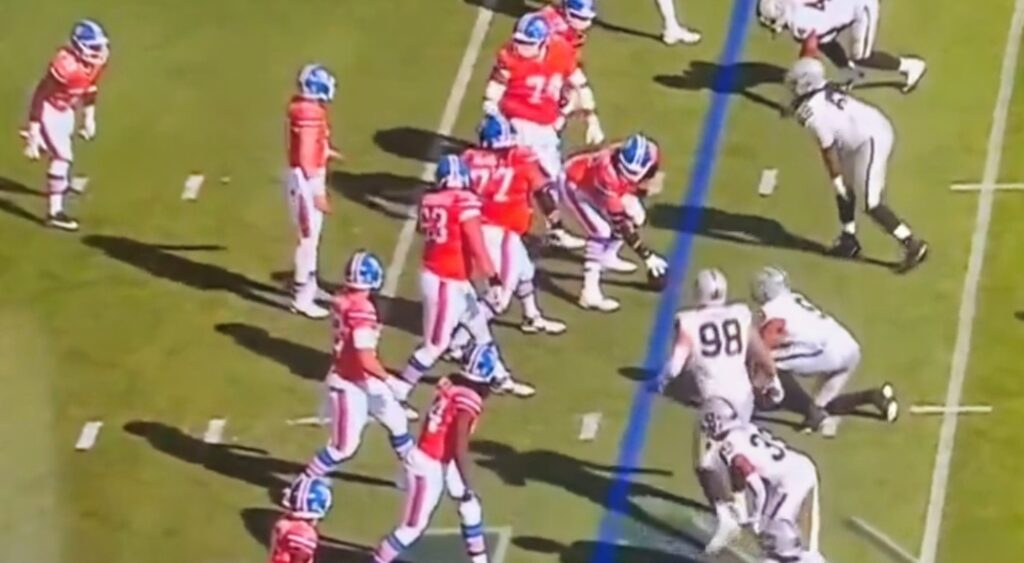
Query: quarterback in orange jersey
point(599, 186)
point(357, 387)
point(309, 149)
point(71, 81)
point(295, 537)
point(440, 462)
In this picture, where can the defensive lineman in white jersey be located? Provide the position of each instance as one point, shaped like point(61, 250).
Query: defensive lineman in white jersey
point(716, 341)
point(777, 478)
point(806, 341)
point(856, 140)
point(844, 30)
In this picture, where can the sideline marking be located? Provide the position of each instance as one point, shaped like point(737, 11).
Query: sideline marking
point(87, 437)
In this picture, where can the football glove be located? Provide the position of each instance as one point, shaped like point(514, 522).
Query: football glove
point(656, 266)
point(595, 135)
point(33, 140)
point(495, 295)
point(88, 130)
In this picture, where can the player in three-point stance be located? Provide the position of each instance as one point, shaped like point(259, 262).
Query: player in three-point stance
point(309, 149)
point(856, 140)
point(357, 383)
point(716, 341)
point(440, 462)
point(844, 30)
point(806, 341)
point(71, 81)
point(528, 85)
point(294, 537)
point(777, 478)
point(598, 185)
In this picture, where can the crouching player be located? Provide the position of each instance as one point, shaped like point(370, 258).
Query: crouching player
point(357, 384)
point(295, 536)
point(440, 463)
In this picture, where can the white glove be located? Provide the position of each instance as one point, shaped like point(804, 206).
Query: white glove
point(491, 107)
point(495, 296)
point(595, 135)
point(656, 265)
point(88, 130)
point(33, 140)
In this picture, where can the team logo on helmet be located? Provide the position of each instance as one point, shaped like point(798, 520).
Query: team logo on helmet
point(636, 157)
point(452, 173)
point(309, 498)
point(531, 34)
point(496, 132)
point(364, 271)
point(317, 83)
point(90, 41)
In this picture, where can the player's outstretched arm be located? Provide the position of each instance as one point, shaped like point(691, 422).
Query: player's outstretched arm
point(677, 360)
point(830, 156)
point(588, 105)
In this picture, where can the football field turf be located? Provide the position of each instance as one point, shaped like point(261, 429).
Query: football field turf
point(163, 314)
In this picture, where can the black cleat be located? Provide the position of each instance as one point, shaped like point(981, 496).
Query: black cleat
point(62, 221)
point(813, 420)
point(846, 246)
point(916, 251)
point(885, 402)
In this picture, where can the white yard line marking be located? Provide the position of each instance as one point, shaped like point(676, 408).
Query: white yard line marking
point(308, 421)
point(943, 409)
point(969, 297)
point(215, 431)
point(192, 186)
point(500, 548)
point(883, 541)
point(448, 117)
point(1013, 186)
point(769, 179)
point(87, 437)
point(590, 423)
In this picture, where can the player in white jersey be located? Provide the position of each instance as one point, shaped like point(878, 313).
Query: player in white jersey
point(843, 30)
point(776, 478)
point(856, 140)
point(780, 542)
point(717, 341)
point(806, 341)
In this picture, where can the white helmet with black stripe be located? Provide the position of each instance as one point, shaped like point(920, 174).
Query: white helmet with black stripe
point(768, 284)
point(710, 287)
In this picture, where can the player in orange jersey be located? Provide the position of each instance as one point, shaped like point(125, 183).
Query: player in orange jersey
point(357, 386)
point(440, 462)
point(309, 149)
point(528, 85)
point(295, 537)
point(598, 185)
point(70, 82)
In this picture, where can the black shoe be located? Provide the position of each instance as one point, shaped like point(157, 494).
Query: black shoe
point(812, 422)
point(885, 401)
point(62, 221)
point(915, 252)
point(846, 246)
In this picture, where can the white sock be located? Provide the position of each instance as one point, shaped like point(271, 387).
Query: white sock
point(592, 278)
point(56, 186)
point(668, 13)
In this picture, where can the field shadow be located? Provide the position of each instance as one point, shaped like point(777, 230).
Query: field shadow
point(259, 522)
point(393, 195)
point(1019, 315)
point(160, 261)
point(739, 78)
point(415, 143)
point(10, 186)
point(743, 228)
point(519, 8)
point(579, 477)
point(254, 466)
point(582, 551)
point(682, 390)
point(304, 361)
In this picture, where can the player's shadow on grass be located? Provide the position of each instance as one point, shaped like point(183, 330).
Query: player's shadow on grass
point(519, 8)
point(580, 477)
point(740, 79)
point(582, 551)
point(304, 361)
point(243, 463)
point(393, 195)
point(259, 522)
point(742, 228)
point(13, 209)
point(418, 144)
point(161, 261)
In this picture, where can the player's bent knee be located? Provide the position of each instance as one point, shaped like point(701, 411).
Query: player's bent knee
point(59, 167)
point(471, 511)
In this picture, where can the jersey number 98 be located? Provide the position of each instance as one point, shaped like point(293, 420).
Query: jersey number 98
point(718, 338)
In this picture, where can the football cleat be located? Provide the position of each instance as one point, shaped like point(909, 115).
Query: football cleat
point(364, 271)
point(598, 302)
point(845, 246)
point(561, 238)
point(885, 401)
point(619, 265)
point(913, 69)
point(726, 532)
point(90, 42)
point(62, 221)
point(684, 35)
point(814, 420)
point(536, 325)
point(317, 83)
point(451, 173)
point(830, 426)
point(309, 310)
point(411, 414)
point(516, 388)
point(915, 252)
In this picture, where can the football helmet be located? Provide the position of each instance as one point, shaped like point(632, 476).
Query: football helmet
point(775, 14)
point(531, 35)
point(483, 365)
point(364, 271)
point(579, 13)
point(805, 76)
point(90, 42)
point(718, 417)
point(309, 498)
point(451, 173)
point(317, 83)
point(768, 284)
point(710, 287)
point(637, 158)
point(496, 132)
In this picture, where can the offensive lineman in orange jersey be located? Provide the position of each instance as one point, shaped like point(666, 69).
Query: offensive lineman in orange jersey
point(294, 538)
point(528, 86)
point(309, 149)
point(598, 185)
point(440, 461)
point(71, 81)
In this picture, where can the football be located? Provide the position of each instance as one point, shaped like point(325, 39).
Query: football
point(657, 283)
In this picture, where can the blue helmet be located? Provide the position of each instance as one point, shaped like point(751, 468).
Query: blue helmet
point(317, 83)
point(90, 41)
point(636, 157)
point(451, 173)
point(582, 11)
point(309, 498)
point(483, 364)
point(364, 271)
point(531, 29)
point(496, 132)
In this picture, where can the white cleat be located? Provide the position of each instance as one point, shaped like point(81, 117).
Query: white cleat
point(411, 414)
point(889, 405)
point(619, 265)
point(913, 70)
point(561, 238)
point(830, 426)
point(310, 310)
point(517, 388)
point(727, 531)
point(598, 303)
point(683, 35)
point(536, 325)
point(62, 221)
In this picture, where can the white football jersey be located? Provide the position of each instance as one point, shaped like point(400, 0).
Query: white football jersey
point(720, 337)
point(824, 19)
point(807, 329)
point(775, 462)
point(838, 119)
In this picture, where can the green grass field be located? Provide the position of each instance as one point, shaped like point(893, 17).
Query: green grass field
point(162, 314)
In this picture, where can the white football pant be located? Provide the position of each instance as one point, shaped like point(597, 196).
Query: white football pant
point(835, 363)
point(786, 500)
point(308, 221)
point(57, 127)
point(864, 168)
point(603, 244)
point(544, 141)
